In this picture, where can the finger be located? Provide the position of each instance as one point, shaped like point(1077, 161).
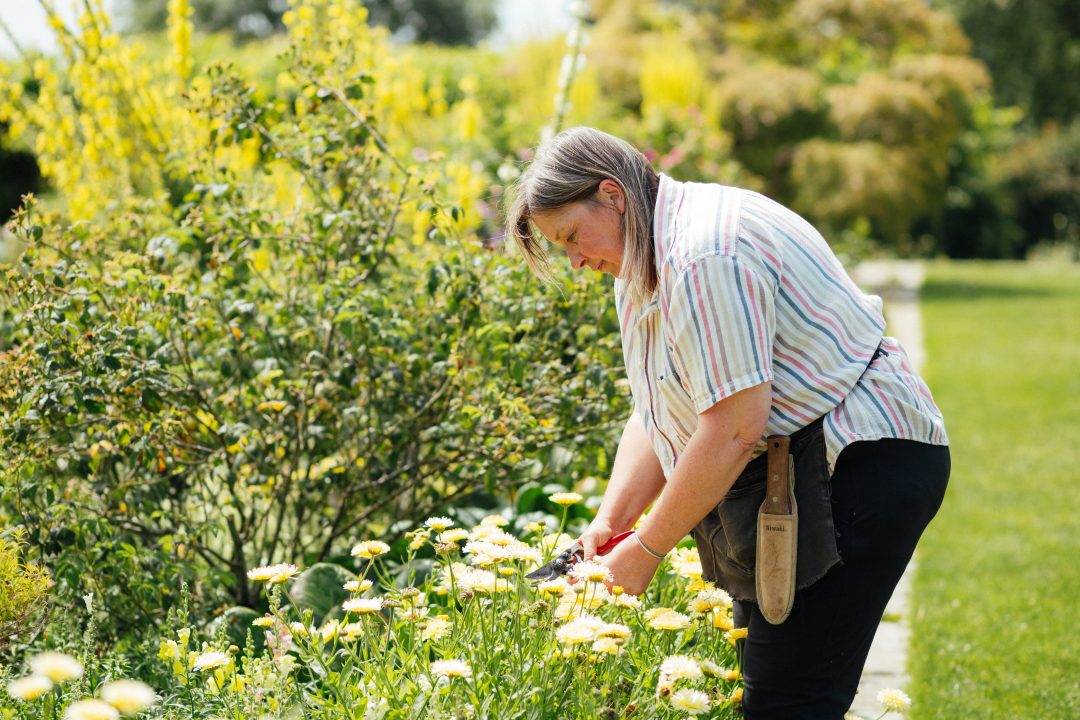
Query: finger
point(588, 546)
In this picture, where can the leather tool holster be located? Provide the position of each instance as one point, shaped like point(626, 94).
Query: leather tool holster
point(777, 534)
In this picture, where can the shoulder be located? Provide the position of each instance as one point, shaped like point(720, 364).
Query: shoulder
point(716, 230)
point(703, 220)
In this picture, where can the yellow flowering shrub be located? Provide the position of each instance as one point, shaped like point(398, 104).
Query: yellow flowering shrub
point(25, 585)
point(281, 319)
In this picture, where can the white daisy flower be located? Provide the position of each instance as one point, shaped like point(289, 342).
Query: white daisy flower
point(362, 606)
point(30, 687)
point(128, 696)
point(451, 669)
point(210, 660)
point(690, 701)
point(439, 523)
point(894, 700)
point(56, 666)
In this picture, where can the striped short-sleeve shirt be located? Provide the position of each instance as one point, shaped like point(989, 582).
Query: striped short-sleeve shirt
point(750, 292)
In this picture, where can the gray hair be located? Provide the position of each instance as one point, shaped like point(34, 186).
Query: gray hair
point(568, 169)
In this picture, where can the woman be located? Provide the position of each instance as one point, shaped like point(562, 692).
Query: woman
point(738, 323)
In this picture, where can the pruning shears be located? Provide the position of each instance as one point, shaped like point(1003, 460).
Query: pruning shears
point(564, 561)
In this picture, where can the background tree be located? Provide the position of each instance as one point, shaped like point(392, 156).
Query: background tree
point(19, 174)
point(1032, 50)
point(1030, 193)
point(847, 111)
point(444, 22)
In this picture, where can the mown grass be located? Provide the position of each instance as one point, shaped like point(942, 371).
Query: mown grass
point(997, 588)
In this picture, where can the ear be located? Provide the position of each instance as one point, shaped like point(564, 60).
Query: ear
point(612, 194)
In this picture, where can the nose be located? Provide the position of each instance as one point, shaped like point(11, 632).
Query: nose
point(577, 260)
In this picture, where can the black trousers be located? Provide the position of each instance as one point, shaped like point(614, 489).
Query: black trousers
point(884, 493)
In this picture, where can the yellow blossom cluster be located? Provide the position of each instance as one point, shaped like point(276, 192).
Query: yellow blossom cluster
point(104, 119)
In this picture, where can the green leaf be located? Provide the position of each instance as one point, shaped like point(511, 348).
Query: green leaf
point(151, 400)
point(320, 589)
point(237, 621)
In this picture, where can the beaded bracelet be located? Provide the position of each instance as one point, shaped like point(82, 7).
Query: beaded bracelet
point(646, 548)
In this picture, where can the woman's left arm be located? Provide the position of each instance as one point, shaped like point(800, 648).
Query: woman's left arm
point(715, 455)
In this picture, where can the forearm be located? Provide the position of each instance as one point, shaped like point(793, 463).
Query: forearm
point(703, 475)
point(717, 452)
point(636, 478)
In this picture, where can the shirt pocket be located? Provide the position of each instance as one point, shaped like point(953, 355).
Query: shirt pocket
point(678, 407)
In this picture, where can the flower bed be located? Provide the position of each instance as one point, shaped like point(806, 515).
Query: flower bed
point(474, 635)
point(465, 635)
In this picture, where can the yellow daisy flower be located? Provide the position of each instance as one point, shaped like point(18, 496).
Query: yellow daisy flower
point(566, 499)
point(358, 586)
point(210, 660)
point(607, 646)
point(454, 535)
point(438, 524)
point(128, 696)
point(56, 666)
point(690, 701)
point(370, 549)
point(436, 628)
point(451, 669)
point(680, 667)
point(669, 620)
point(362, 606)
point(91, 710)
point(737, 633)
point(592, 571)
point(894, 700)
point(30, 687)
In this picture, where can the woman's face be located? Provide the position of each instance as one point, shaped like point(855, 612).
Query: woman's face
point(590, 231)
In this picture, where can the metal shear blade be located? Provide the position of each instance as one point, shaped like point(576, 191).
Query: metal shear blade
point(561, 563)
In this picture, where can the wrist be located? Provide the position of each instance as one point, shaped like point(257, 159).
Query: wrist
point(648, 549)
point(611, 522)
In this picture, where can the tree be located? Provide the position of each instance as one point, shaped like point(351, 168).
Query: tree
point(846, 110)
point(444, 22)
point(19, 174)
point(1032, 50)
point(270, 336)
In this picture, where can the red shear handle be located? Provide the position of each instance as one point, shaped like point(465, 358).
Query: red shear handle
point(615, 540)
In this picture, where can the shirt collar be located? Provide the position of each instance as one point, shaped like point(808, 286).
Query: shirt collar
point(668, 199)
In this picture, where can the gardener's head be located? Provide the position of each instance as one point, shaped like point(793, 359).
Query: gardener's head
point(593, 195)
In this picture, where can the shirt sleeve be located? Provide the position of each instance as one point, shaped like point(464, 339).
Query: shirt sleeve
point(721, 323)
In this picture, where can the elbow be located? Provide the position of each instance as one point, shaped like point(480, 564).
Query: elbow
point(740, 420)
point(747, 441)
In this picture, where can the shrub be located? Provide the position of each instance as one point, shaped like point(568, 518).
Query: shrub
point(263, 359)
point(24, 588)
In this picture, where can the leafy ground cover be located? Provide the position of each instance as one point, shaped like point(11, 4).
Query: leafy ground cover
point(995, 594)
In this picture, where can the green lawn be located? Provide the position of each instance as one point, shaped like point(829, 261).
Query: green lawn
point(996, 603)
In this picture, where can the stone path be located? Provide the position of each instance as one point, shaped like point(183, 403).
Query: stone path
point(898, 283)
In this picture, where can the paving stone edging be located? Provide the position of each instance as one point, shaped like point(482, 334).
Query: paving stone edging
point(898, 283)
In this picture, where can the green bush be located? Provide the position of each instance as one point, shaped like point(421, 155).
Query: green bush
point(202, 385)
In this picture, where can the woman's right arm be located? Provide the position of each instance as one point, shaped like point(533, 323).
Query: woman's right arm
point(636, 479)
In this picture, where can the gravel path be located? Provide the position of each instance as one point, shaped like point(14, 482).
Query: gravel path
point(898, 283)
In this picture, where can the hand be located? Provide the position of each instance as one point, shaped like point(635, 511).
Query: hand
point(598, 533)
point(631, 567)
